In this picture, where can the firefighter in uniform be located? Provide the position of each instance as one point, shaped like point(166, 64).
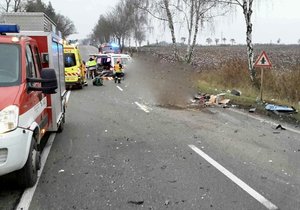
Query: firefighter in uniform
point(118, 72)
point(91, 66)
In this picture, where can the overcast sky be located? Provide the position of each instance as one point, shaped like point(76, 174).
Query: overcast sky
point(272, 20)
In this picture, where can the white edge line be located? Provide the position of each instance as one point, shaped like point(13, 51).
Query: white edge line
point(264, 120)
point(235, 179)
point(142, 107)
point(119, 88)
point(29, 192)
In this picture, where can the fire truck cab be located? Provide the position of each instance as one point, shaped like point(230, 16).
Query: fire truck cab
point(32, 98)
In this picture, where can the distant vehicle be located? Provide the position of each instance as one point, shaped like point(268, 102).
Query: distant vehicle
point(109, 48)
point(75, 70)
point(33, 97)
point(107, 61)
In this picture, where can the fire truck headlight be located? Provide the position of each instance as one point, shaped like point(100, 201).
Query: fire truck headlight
point(9, 118)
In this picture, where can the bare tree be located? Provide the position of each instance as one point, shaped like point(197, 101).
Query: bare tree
point(191, 12)
point(246, 6)
point(124, 22)
point(209, 41)
point(17, 5)
point(5, 7)
point(217, 41)
point(278, 41)
point(232, 41)
point(64, 24)
point(224, 40)
point(183, 39)
point(12, 5)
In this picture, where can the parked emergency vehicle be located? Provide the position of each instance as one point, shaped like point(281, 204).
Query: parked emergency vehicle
point(32, 97)
point(109, 48)
point(75, 70)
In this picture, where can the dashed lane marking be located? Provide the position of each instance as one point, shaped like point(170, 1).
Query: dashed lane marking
point(29, 192)
point(119, 88)
point(142, 107)
point(235, 179)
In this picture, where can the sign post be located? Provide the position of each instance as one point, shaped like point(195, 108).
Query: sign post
point(263, 62)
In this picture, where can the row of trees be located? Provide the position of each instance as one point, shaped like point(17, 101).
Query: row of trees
point(64, 24)
point(217, 40)
point(130, 18)
point(122, 23)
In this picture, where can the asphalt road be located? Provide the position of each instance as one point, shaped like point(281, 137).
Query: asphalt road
point(124, 148)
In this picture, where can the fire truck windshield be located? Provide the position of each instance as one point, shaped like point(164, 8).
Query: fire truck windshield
point(9, 64)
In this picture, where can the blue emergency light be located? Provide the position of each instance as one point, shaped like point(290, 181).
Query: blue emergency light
point(9, 28)
point(114, 44)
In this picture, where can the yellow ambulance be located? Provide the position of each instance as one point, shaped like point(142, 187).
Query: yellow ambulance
point(75, 70)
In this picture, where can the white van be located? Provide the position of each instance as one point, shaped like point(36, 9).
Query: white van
point(109, 60)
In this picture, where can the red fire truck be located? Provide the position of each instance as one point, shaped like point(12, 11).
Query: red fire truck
point(33, 98)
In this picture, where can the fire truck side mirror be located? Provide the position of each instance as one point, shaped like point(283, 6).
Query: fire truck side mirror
point(49, 81)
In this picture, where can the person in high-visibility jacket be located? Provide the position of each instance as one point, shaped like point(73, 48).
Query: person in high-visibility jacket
point(91, 67)
point(118, 72)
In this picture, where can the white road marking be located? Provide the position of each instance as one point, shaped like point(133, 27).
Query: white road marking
point(119, 88)
point(29, 192)
point(235, 179)
point(265, 121)
point(142, 107)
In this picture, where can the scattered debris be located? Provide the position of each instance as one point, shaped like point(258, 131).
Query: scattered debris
point(218, 99)
point(136, 202)
point(167, 202)
point(252, 110)
point(264, 177)
point(236, 92)
point(280, 108)
point(163, 167)
point(61, 171)
point(280, 127)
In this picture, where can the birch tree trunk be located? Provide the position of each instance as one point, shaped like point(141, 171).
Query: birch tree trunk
point(190, 30)
point(171, 27)
point(247, 10)
point(189, 56)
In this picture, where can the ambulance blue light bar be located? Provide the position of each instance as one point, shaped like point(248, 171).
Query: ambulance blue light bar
point(9, 28)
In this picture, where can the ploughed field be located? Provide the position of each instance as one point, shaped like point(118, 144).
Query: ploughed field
point(283, 57)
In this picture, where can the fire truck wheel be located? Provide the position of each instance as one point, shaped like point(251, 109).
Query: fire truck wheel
point(29, 173)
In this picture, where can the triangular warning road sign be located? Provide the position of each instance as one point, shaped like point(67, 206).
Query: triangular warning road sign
point(263, 61)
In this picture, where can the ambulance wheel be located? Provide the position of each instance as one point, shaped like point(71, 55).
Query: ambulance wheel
point(29, 173)
point(62, 124)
